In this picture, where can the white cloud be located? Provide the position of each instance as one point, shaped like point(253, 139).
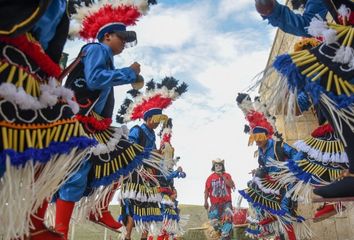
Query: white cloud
point(231, 7)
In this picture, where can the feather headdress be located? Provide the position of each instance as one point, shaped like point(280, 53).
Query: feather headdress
point(96, 18)
point(157, 97)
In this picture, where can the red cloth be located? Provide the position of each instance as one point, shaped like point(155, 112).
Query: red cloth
point(217, 190)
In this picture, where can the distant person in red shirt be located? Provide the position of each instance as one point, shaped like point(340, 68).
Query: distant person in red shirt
point(218, 188)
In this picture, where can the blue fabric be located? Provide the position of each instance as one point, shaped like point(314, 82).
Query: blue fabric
point(152, 112)
point(150, 137)
point(111, 28)
point(290, 22)
point(175, 174)
point(45, 28)
point(315, 90)
point(268, 154)
point(303, 101)
point(74, 188)
point(259, 130)
point(44, 155)
point(100, 73)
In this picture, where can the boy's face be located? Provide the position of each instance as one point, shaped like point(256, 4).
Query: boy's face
point(115, 42)
point(261, 144)
point(151, 124)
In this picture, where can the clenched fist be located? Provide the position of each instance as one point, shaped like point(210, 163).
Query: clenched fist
point(264, 7)
point(136, 67)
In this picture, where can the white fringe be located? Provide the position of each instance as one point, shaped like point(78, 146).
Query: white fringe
point(155, 162)
point(110, 146)
point(344, 55)
point(329, 36)
point(343, 11)
point(264, 189)
point(50, 93)
point(317, 26)
point(21, 195)
point(301, 192)
point(302, 230)
point(320, 156)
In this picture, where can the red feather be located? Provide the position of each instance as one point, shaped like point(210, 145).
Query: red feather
point(105, 15)
point(257, 119)
point(156, 101)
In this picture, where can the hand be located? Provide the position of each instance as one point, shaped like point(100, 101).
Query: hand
point(265, 7)
point(206, 205)
point(179, 169)
point(136, 68)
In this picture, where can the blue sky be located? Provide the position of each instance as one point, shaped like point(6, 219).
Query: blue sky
point(217, 47)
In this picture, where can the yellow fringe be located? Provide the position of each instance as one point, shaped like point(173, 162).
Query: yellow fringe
point(20, 136)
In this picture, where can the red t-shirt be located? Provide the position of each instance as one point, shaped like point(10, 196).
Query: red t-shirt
point(217, 189)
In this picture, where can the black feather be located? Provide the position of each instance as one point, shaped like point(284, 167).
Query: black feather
point(168, 82)
point(241, 96)
point(152, 2)
point(122, 110)
point(134, 93)
point(169, 123)
point(278, 135)
point(246, 129)
point(119, 119)
point(127, 102)
point(150, 85)
point(182, 88)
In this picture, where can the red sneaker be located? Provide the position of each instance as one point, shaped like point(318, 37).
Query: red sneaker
point(46, 234)
point(326, 211)
point(107, 221)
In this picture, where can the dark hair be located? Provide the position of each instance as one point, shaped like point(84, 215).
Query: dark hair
point(298, 3)
point(223, 167)
point(115, 33)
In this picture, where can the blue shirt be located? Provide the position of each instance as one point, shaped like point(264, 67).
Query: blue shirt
point(268, 154)
point(150, 137)
point(293, 23)
point(100, 73)
point(46, 27)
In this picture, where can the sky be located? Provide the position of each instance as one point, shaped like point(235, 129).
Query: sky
point(216, 47)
